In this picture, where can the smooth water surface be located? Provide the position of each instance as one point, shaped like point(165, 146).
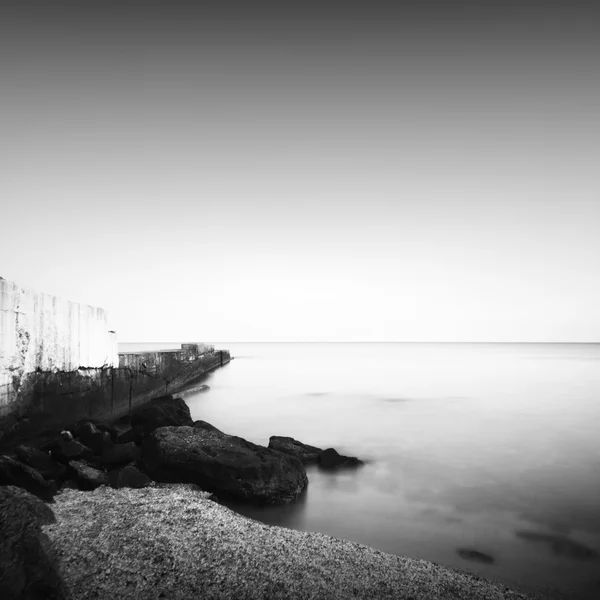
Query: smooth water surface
point(486, 447)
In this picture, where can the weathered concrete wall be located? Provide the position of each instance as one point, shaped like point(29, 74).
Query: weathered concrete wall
point(108, 393)
point(59, 398)
point(40, 332)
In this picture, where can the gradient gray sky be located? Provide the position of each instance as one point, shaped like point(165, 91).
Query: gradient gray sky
point(230, 173)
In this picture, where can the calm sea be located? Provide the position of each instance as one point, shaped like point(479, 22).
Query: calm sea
point(486, 447)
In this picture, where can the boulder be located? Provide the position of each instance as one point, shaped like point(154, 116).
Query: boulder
point(120, 454)
point(331, 459)
point(161, 412)
point(288, 445)
point(42, 462)
point(89, 435)
point(28, 566)
point(13, 472)
point(128, 476)
point(135, 435)
point(223, 464)
point(87, 476)
point(112, 431)
point(64, 450)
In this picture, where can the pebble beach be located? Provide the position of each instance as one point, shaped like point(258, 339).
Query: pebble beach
point(172, 541)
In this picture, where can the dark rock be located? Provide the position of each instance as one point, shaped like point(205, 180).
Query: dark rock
point(135, 435)
point(226, 465)
point(124, 420)
point(36, 507)
point(128, 476)
point(162, 412)
point(79, 427)
point(13, 472)
point(90, 436)
point(70, 484)
point(207, 426)
point(120, 454)
point(66, 435)
point(8, 427)
point(41, 462)
point(288, 445)
point(475, 555)
point(28, 567)
point(112, 431)
point(64, 450)
point(87, 476)
point(331, 459)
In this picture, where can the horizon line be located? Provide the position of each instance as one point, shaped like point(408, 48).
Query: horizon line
point(359, 342)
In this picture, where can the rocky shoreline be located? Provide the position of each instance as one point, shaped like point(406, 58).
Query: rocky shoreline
point(130, 509)
point(160, 442)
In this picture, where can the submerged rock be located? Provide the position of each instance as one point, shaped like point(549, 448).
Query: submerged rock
point(288, 445)
point(560, 545)
point(28, 566)
point(327, 459)
point(13, 472)
point(332, 459)
point(226, 465)
point(475, 555)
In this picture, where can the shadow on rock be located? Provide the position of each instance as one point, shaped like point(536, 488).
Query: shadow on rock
point(28, 566)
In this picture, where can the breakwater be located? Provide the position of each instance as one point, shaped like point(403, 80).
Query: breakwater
point(59, 363)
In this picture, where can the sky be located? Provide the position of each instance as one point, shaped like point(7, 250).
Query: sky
point(352, 172)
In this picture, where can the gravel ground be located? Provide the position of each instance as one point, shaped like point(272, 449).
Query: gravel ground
point(172, 542)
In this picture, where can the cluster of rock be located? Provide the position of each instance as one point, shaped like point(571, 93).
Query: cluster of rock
point(164, 444)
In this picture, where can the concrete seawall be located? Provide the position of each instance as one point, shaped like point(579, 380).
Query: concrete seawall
point(111, 392)
point(59, 363)
point(40, 332)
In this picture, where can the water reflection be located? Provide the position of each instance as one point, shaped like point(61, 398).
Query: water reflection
point(285, 515)
point(559, 545)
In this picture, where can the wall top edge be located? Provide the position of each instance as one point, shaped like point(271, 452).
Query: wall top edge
point(4, 283)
